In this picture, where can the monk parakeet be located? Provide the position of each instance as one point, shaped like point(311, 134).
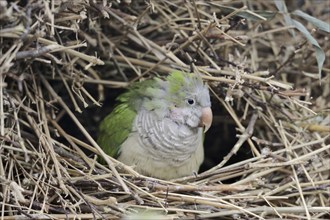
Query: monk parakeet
point(157, 127)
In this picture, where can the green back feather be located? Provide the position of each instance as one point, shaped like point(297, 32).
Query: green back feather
point(115, 128)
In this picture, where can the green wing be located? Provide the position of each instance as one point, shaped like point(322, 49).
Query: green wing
point(115, 128)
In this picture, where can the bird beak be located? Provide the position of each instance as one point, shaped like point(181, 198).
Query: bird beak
point(206, 119)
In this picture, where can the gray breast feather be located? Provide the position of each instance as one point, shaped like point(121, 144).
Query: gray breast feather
point(165, 140)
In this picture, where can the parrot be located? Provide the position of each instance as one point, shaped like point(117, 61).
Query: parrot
point(158, 125)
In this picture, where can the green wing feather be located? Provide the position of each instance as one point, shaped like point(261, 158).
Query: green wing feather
point(115, 128)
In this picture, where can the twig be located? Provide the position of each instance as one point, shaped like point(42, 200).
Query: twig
point(191, 188)
point(266, 210)
point(243, 137)
point(83, 130)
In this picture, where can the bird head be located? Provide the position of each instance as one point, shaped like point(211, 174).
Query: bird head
point(183, 98)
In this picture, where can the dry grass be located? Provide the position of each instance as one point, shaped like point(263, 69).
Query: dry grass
point(61, 58)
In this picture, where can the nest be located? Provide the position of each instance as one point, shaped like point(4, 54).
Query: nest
point(61, 60)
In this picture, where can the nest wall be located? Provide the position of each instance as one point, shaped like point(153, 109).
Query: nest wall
point(62, 64)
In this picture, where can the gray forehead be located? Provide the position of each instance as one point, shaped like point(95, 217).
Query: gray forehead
point(202, 95)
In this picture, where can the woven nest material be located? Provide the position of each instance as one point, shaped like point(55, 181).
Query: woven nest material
point(61, 60)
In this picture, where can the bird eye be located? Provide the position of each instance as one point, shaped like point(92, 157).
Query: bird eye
point(190, 101)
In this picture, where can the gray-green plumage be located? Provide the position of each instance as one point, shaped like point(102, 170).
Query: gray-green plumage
point(156, 127)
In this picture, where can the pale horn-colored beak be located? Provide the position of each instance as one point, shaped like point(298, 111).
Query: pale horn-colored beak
point(206, 119)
